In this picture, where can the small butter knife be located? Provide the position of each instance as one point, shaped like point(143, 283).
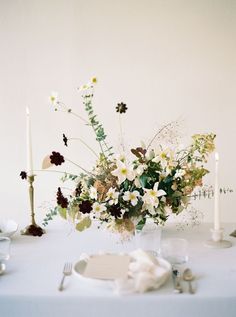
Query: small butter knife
point(176, 280)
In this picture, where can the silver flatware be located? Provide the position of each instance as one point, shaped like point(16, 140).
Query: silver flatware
point(176, 280)
point(189, 277)
point(67, 271)
point(2, 268)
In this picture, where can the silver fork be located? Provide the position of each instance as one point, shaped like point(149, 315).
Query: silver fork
point(67, 270)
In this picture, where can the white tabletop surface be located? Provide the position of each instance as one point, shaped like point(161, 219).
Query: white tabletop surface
point(29, 287)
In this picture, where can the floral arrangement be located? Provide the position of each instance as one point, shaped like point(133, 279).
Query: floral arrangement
point(123, 191)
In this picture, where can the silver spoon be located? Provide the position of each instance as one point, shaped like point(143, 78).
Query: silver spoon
point(2, 268)
point(188, 277)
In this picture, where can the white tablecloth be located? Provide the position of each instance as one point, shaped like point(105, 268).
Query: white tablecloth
point(29, 287)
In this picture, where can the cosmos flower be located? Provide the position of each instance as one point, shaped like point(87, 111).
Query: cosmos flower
point(85, 207)
point(65, 139)
point(115, 211)
point(56, 158)
point(121, 107)
point(23, 175)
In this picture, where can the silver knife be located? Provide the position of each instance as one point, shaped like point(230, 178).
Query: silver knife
point(176, 280)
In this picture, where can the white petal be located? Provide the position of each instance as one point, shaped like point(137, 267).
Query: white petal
point(160, 192)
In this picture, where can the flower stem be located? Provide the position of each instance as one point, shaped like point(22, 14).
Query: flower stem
point(84, 143)
point(83, 169)
point(52, 171)
point(121, 134)
point(159, 132)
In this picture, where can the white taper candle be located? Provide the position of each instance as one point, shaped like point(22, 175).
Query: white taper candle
point(216, 196)
point(29, 144)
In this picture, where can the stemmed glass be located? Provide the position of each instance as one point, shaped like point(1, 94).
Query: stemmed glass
point(175, 250)
point(4, 252)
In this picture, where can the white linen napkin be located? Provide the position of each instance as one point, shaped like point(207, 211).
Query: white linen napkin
point(145, 273)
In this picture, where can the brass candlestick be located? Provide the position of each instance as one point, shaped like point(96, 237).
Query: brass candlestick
point(33, 229)
point(233, 234)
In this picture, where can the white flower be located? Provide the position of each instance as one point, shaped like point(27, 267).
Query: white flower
point(179, 173)
point(53, 98)
point(120, 157)
point(93, 193)
point(137, 183)
point(123, 172)
point(112, 196)
point(132, 197)
point(163, 156)
point(140, 169)
point(83, 87)
point(151, 196)
point(98, 209)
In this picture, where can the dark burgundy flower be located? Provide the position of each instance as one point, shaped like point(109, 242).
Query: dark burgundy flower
point(85, 207)
point(65, 139)
point(78, 190)
point(121, 107)
point(61, 200)
point(35, 231)
point(56, 158)
point(115, 211)
point(23, 175)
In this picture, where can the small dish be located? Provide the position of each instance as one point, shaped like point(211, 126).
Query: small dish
point(8, 228)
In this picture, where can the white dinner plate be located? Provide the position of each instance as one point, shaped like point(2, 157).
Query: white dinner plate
point(80, 267)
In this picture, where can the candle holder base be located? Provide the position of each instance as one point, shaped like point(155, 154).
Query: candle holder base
point(217, 241)
point(233, 234)
point(218, 244)
point(33, 230)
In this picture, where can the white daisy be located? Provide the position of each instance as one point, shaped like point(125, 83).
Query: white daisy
point(98, 209)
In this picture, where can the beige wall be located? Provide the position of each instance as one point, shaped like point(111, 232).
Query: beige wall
point(166, 59)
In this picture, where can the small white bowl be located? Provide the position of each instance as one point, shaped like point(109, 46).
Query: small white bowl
point(8, 228)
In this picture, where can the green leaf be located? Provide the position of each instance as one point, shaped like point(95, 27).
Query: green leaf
point(62, 212)
point(141, 224)
point(177, 194)
point(84, 224)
